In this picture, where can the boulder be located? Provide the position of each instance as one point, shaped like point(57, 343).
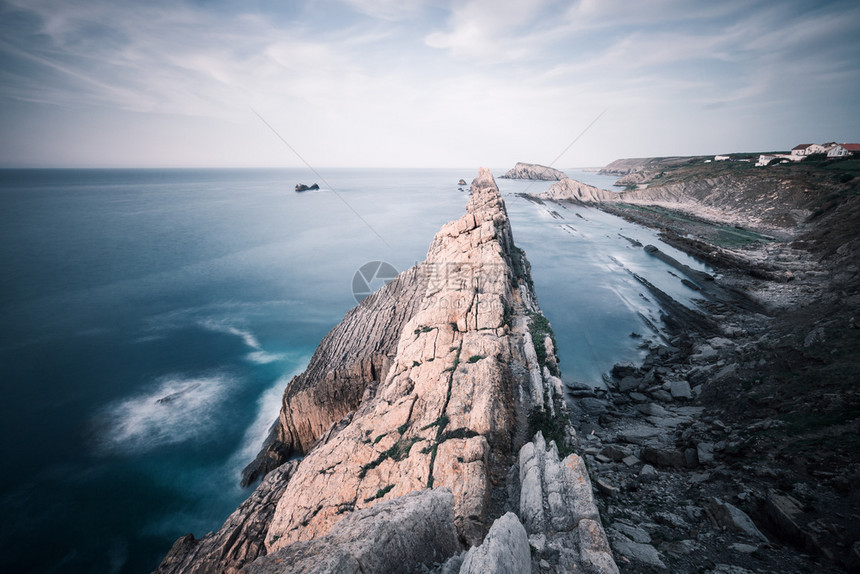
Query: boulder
point(680, 390)
point(637, 551)
point(505, 550)
point(396, 536)
point(734, 518)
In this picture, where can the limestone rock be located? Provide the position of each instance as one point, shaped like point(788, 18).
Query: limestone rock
point(637, 551)
point(572, 190)
point(534, 171)
point(505, 550)
point(556, 500)
point(736, 519)
point(446, 400)
point(354, 354)
point(396, 536)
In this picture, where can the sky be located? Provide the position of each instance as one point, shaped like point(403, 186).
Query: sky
point(393, 83)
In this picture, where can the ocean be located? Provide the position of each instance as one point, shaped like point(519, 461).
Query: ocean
point(151, 319)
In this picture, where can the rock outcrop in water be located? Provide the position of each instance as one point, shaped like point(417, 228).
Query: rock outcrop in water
point(415, 417)
point(534, 171)
point(576, 191)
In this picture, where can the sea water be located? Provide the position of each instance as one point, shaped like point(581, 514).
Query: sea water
point(151, 319)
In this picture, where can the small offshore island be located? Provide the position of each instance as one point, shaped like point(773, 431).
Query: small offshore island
point(431, 431)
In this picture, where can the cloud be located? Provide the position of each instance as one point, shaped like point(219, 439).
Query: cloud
point(378, 82)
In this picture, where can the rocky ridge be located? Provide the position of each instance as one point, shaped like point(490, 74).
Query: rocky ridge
point(428, 460)
point(534, 171)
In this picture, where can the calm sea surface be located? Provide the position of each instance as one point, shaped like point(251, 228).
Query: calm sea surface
point(151, 319)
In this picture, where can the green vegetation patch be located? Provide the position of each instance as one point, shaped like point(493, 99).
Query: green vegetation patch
point(397, 452)
point(440, 422)
point(553, 428)
point(461, 432)
point(380, 493)
point(540, 330)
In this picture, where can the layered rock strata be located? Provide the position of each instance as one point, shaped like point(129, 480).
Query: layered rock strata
point(412, 414)
point(534, 171)
point(355, 353)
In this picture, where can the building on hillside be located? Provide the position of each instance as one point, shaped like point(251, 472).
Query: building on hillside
point(844, 150)
point(721, 158)
point(807, 149)
point(768, 159)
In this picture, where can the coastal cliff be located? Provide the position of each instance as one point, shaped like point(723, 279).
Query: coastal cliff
point(534, 171)
point(420, 420)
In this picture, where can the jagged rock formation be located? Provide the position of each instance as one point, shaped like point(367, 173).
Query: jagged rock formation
point(558, 509)
point(572, 190)
point(411, 416)
point(355, 353)
point(748, 199)
point(534, 171)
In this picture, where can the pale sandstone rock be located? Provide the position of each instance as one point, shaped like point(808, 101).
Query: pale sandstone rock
point(449, 382)
point(572, 190)
point(352, 355)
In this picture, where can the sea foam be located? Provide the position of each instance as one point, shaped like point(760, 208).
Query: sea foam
point(174, 410)
point(258, 355)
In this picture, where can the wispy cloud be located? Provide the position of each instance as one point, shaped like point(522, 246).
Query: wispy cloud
point(375, 82)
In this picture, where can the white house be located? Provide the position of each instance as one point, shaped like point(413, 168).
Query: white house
point(765, 159)
point(844, 150)
point(807, 149)
point(721, 158)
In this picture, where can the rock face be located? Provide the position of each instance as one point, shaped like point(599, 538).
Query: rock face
point(572, 190)
point(394, 536)
point(534, 171)
point(355, 353)
point(410, 415)
point(557, 508)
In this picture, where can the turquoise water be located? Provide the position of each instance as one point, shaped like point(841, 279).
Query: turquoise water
point(151, 319)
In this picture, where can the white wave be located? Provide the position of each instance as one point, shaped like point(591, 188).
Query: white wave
point(263, 357)
point(268, 408)
point(176, 410)
point(258, 355)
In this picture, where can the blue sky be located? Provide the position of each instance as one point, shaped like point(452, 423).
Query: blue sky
point(387, 83)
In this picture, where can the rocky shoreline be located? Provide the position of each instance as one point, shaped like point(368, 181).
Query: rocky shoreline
point(734, 448)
